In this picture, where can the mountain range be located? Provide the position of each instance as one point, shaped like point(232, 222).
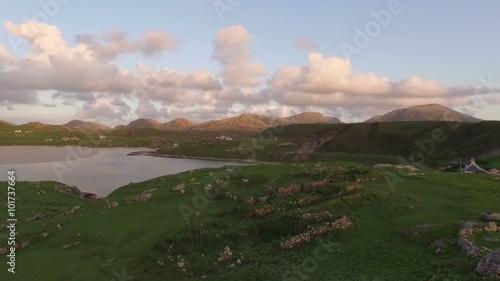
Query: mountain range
point(255, 122)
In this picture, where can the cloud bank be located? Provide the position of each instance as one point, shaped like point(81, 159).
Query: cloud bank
point(87, 77)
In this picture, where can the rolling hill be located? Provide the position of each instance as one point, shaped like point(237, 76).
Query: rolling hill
point(330, 221)
point(6, 123)
point(83, 125)
point(436, 140)
point(428, 112)
point(179, 124)
point(255, 122)
point(310, 118)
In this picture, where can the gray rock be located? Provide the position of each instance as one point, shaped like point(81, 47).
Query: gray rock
point(490, 216)
point(490, 239)
point(468, 247)
point(489, 266)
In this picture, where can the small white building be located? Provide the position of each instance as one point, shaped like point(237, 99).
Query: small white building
point(17, 131)
point(101, 137)
point(472, 167)
point(65, 139)
point(74, 139)
point(228, 138)
point(28, 132)
point(176, 145)
point(48, 140)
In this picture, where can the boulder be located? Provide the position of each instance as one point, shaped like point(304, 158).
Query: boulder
point(179, 187)
point(491, 227)
point(489, 266)
point(113, 204)
point(208, 187)
point(468, 247)
point(490, 216)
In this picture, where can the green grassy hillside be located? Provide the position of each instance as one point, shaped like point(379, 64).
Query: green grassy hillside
point(442, 142)
point(256, 211)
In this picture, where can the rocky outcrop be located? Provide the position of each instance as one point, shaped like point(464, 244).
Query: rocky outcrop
point(466, 237)
point(489, 266)
point(295, 241)
point(303, 238)
point(317, 216)
point(139, 198)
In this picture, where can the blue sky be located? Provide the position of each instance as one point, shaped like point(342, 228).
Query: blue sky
point(452, 42)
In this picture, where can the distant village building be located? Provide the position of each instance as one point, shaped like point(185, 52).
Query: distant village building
point(473, 167)
point(28, 132)
point(229, 138)
point(74, 139)
point(48, 140)
point(17, 131)
point(65, 139)
point(101, 137)
point(222, 137)
point(175, 145)
point(495, 171)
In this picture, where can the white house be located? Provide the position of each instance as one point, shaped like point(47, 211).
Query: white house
point(473, 167)
point(228, 138)
point(101, 137)
point(175, 145)
point(17, 131)
point(48, 140)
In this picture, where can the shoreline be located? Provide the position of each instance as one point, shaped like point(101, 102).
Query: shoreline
point(154, 154)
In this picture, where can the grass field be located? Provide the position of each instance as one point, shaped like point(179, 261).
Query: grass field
point(394, 224)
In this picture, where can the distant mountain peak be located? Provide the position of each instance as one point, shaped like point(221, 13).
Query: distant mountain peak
point(84, 125)
point(426, 112)
point(179, 124)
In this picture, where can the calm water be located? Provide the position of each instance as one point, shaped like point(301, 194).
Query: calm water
point(96, 170)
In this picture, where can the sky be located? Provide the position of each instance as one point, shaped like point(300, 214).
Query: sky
point(113, 62)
